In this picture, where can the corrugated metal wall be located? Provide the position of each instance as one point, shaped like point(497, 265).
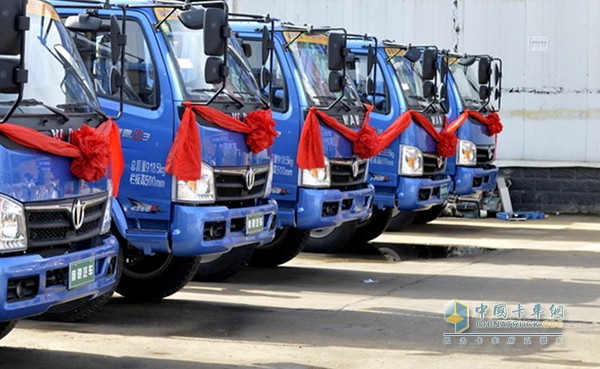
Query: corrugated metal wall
point(550, 50)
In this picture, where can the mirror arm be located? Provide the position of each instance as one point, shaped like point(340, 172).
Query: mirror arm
point(287, 45)
point(271, 57)
point(21, 74)
point(122, 41)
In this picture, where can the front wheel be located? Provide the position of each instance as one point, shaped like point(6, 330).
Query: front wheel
point(225, 265)
point(369, 230)
point(152, 278)
point(287, 245)
point(429, 215)
point(402, 220)
point(330, 240)
point(6, 327)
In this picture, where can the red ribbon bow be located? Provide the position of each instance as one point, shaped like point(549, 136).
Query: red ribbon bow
point(92, 150)
point(185, 157)
point(366, 142)
point(492, 121)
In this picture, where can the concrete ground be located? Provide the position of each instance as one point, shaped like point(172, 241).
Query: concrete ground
point(341, 311)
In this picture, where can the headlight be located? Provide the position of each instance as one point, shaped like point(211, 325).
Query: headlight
point(198, 191)
point(467, 153)
point(13, 234)
point(106, 219)
point(411, 161)
point(269, 180)
point(320, 177)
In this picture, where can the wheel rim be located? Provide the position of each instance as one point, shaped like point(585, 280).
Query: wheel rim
point(322, 232)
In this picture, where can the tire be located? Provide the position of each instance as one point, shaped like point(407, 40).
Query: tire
point(225, 265)
point(429, 215)
point(152, 278)
point(288, 243)
point(401, 221)
point(369, 230)
point(330, 240)
point(83, 308)
point(6, 327)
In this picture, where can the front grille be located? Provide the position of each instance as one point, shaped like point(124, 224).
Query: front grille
point(433, 164)
point(51, 223)
point(485, 154)
point(347, 172)
point(234, 183)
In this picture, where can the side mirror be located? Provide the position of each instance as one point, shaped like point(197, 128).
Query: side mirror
point(83, 22)
point(336, 50)
point(371, 60)
point(336, 82)
point(214, 71)
point(192, 18)
point(413, 54)
point(13, 22)
point(484, 71)
point(264, 78)
point(266, 45)
point(8, 69)
point(216, 32)
point(484, 93)
point(428, 89)
point(247, 49)
point(116, 39)
point(429, 63)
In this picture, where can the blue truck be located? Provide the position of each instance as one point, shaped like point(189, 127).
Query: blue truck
point(56, 253)
point(409, 174)
point(473, 83)
point(180, 78)
point(302, 77)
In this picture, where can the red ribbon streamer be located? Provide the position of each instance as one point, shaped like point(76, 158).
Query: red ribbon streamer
point(92, 150)
point(492, 121)
point(366, 142)
point(185, 157)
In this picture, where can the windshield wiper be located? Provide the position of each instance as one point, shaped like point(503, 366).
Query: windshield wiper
point(34, 102)
point(83, 105)
point(234, 99)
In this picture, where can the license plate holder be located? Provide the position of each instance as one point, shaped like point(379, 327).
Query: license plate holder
point(255, 223)
point(81, 272)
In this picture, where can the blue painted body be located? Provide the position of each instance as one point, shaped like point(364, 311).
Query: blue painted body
point(33, 178)
point(391, 189)
point(147, 136)
point(471, 130)
point(301, 207)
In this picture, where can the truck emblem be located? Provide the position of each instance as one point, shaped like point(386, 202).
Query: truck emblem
point(250, 178)
point(490, 153)
point(355, 168)
point(77, 214)
point(440, 161)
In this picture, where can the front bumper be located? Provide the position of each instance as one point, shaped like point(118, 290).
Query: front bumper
point(469, 180)
point(421, 193)
point(321, 208)
point(44, 281)
point(202, 230)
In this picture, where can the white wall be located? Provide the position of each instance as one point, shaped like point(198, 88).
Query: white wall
point(551, 104)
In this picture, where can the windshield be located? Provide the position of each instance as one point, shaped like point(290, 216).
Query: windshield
point(310, 55)
point(57, 76)
point(187, 46)
point(411, 82)
point(465, 77)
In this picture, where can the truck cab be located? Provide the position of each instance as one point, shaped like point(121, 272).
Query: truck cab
point(473, 83)
point(56, 248)
point(178, 95)
point(309, 198)
point(408, 174)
